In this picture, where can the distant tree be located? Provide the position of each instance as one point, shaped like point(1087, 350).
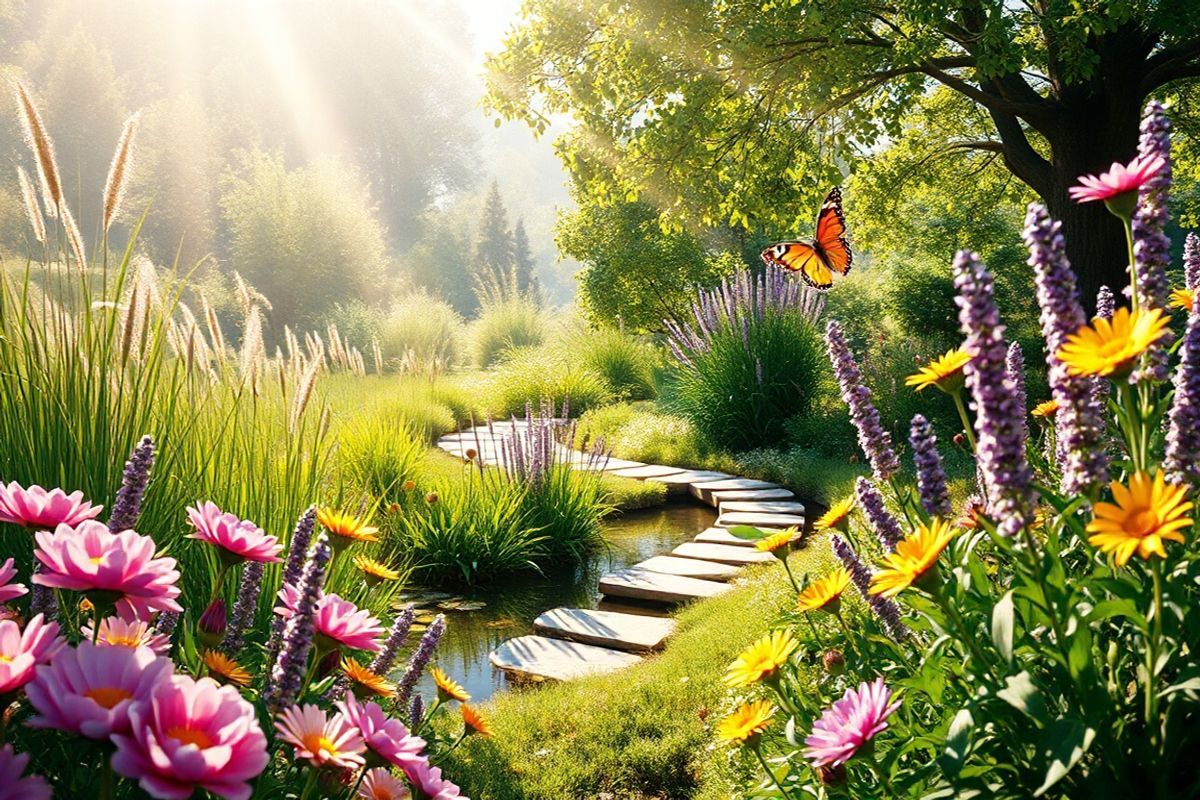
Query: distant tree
point(305, 238)
point(737, 112)
point(523, 264)
point(494, 265)
point(440, 260)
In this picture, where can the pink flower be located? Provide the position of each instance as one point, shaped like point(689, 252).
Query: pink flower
point(117, 632)
point(36, 508)
point(1118, 180)
point(430, 784)
point(338, 620)
point(379, 784)
point(12, 785)
point(192, 734)
point(9, 590)
point(21, 652)
point(89, 558)
point(88, 690)
point(387, 738)
point(321, 740)
point(239, 538)
point(849, 724)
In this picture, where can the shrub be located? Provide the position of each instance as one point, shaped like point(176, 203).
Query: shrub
point(530, 375)
point(421, 334)
point(626, 364)
point(378, 452)
point(507, 324)
point(359, 323)
point(748, 360)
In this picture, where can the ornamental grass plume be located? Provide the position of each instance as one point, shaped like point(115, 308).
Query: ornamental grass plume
point(1182, 458)
point(127, 506)
point(43, 149)
point(38, 509)
point(874, 440)
point(999, 422)
point(118, 172)
point(931, 476)
point(885, 609)
point(886, 526)
point(33, 212)
point(244, 607)
point(1079, 423)
point(850, 723)
point(287, 672)
point(420, 659)
point(1151, 245)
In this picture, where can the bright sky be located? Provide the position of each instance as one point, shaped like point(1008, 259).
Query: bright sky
point(490, 19)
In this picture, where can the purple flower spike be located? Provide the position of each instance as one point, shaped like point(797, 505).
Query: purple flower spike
point(887, 610)
point(292, 571)
point(999, 421)
point(1151, 245)
point(1182, 462)
point(874, 440)
point(1106, 304)
point(1014, 368)
point(287, 674)
point(882, 522)
point(42, 599)
point(386, 657)
point(416, 711)
point(1191, 261)
point(931, 476)
point(128, 504)
point(245, 607)
point(420, 659)
point(1079, 423)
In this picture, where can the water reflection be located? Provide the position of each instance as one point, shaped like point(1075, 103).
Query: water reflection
point(510, 609)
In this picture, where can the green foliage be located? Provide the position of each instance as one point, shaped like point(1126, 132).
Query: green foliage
point(635, 273)
point(630, 494)
point(509, 323)
point(639, 433)
point(378, 453)
point(532, 374)
point(358, 323)
point(422, 334)
point(626, 364)
point(494, 270)
point(427, 409)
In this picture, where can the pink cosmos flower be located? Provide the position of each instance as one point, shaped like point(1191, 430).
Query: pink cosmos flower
point(849, 724)
point(387, 738)
point(1118, 180)
point(14, 787)
point(132, 633)
point(89, 558)
point(36, 508)
point(338, 620)
point(379, 784)
point(9, 590)
point(430, 784)
point(21, 652)
point(321, 740)
point(88, 689)
point(191, 734)
point(239, 538)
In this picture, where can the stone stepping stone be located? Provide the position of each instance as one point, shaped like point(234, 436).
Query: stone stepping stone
point(640, 608)
point(748, 495)
point(646, 471)
point(764, 507)
point(642, 584)
point(541, 658)
point(681, 482)
point(620, 463)
point(688, 568)
point(704, 490)
point(722, 536)
point(723, 553)
point(728, 520)
point(605, 628)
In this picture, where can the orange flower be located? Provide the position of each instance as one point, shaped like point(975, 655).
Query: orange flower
point(224, 669)
point(474, 722)
point(365, 681)
point(447, 687)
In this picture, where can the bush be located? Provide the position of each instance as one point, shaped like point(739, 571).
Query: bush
point(626, 364)
point(530, 375)
point(508, 324)
point(422, 334)
point(358, 323)
point(378, 452)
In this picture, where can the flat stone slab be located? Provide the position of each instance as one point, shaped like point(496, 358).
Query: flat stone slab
point(646, 471)
point(722, 553)
point(749, 495)
point(605, 628)
point(688, 568)
point(682, 482)
point(764, 507)
point(620, 463)
point(704, 490)
point(642, 584)
point(759, 520)
point(543, 658)
point(722, 536)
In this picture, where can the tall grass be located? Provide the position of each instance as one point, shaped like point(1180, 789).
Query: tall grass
point(534, 374)
point(505, 323)
point(421, 335)
point(626, 364)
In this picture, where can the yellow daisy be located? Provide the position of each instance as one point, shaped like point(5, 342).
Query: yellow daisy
point(913, 557)
point(345, 527)
point(365, 681)
point(474, 721)
point(778, 544)
point(1182, 298)
point(838, 516)
point(1111, 348)
point(747, 723)
point(1045, 410)
point(761, 660)
point(375, 572)
point(447, 687)
point(224, 669)
point(946, 372)
point(825, 593)
point(1145, 513)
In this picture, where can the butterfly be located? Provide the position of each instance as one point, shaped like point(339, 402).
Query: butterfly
point(828, 251)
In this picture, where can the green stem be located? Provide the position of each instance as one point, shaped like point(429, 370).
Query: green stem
point(106, 781)
point(428, 716)
point(966, 420)
point(791, 577)
point(95, 623)
point(849, 636)
point(1152, 654)
point(1132, 268)
point(766, 767)
point(309, 784)
point(362, 774)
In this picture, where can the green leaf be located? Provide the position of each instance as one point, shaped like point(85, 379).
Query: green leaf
point(958, 740)
point(1002, 626)
point(1190, 685)
point(1117, 607)
point(1022, 693)
point(747, 532)
point(1063, 743)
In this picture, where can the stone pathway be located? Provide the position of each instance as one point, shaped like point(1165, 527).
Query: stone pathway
point(573, 642)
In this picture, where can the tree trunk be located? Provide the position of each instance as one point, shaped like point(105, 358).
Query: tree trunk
point(1095, 245)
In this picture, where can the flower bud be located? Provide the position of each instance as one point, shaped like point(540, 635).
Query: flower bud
point(959, 440)
point(409, 485)
point(834, 661)
point(210, 630)
point(431, 498)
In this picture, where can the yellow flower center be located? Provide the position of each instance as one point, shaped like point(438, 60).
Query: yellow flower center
point(190, 736)
point(108, 696)
point(96, 559)
point(5, 659)
point(122, 640)
point(318, 742)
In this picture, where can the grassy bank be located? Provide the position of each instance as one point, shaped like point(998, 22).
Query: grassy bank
point(642, 733)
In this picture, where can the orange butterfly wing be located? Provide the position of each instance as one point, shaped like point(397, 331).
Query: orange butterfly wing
point(831, 237)
point(800, 257)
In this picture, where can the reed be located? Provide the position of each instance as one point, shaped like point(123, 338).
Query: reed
point(114, 186)
point(42, 146)
point(32, 210)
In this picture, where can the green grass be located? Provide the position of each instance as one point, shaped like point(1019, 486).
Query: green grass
point(512, 323)
point(630, 494)
point(642, 733)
